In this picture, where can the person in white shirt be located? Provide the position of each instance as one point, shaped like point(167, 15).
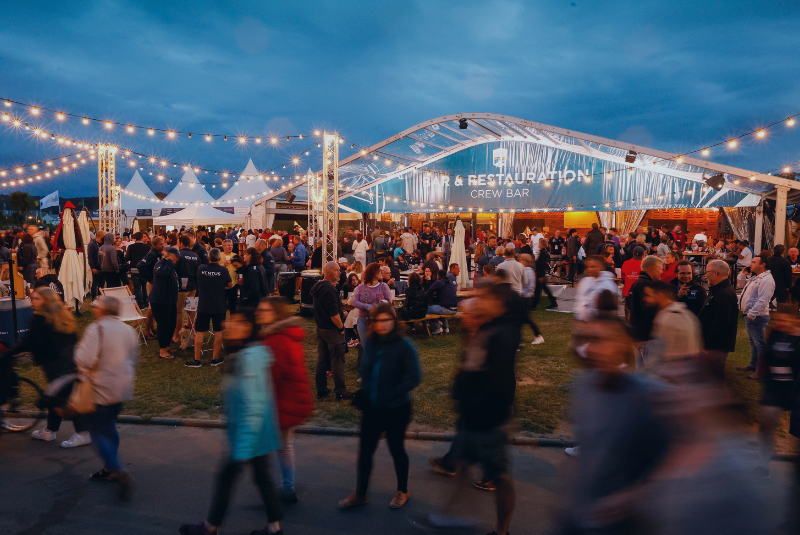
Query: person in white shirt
point(595, 280)
point(701, 236)
point(533, 239)
point(360, 247)
point(754, 303)
point(743, 253)
point(407, 241)
point(250, 240)
point(676, 330)
point(515, 270)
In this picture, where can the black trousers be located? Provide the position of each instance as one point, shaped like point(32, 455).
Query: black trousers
point(80, 421)
point(139, 289)
point(226, 479)
point(112, 279)
point(232, 295)
point(330, 356)
point(393, 422)
point(98, 281)
point(537, 293)
point(165, 316)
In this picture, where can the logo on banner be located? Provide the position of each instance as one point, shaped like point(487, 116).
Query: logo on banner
point(499, 157)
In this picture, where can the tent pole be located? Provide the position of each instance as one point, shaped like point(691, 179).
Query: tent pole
point(759, 228)
point(780, 214)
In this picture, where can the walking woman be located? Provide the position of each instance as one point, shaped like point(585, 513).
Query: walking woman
point(26, 259)
point(51, 339)
point(370, 293)
point(252, 428)
point(163, 299)
point(390, 371)
point(283, 333)
point(254, 279)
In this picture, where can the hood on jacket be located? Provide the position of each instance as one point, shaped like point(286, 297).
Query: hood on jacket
point(291, 327)
point(319, 287)
point(108, 239)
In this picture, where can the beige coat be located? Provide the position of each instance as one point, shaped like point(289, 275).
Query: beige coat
point(110, 348)
point(678, 331)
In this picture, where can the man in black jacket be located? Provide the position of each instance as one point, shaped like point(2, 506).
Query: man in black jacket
point(719, 317)
point(571, 253)
point(542, 268)
point(689, 291)
point(163, 299)
point(594, 239)
point(330, 334)
point(133, 255)
point(146, 266)
point(186, 269)
point(781, 271)
point(93, 257)
point(641, 314)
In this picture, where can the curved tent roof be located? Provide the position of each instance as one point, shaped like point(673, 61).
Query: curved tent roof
point(199, 214)
point(495, 162)
point(137, 195)
point(247, 188)
point(187, 191)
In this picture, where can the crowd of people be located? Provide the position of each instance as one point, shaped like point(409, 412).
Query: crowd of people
point(653, 331)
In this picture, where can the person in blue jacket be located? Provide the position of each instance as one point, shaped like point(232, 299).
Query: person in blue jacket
point(390, 371)
point(252, 424)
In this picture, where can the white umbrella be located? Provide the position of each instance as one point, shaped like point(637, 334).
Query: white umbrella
point(86, 237)
point(459, 255)
point(71, 274)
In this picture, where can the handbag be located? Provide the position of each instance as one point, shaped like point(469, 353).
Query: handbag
point(81, 399)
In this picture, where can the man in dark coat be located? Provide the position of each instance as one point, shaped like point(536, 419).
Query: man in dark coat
point(719, 317)
point(573, 245)
point(641, 314)
point(594, 239)
point(781, 270)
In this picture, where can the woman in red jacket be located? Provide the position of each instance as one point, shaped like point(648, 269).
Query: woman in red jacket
point(283, 334)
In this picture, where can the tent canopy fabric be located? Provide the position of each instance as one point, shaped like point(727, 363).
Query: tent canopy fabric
point(247, 185)
point(199, 215)
point(458, 255)
point(188, 190)
point(137, 195)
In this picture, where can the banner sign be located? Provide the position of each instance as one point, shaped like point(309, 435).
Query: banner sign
point(525, 176)
point(144, 212)
point(49, 200)
point(168, 211)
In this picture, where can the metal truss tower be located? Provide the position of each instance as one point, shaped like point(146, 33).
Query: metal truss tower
point(329, 197)
point(109, 193)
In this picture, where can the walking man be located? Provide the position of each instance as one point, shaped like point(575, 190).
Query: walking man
point(212, 282)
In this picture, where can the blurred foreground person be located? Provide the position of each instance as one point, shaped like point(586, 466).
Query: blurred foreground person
point(621, 439)
point(109, 349)
point(283, 333)
point(390, 371)
point(51, 339)
point(484, 389)
point(252, 430)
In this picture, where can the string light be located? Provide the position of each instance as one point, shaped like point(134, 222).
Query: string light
point(790, 121)
point(760, 133)
point(732, 143)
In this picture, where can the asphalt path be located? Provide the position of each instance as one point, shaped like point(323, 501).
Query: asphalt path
point(44, 489)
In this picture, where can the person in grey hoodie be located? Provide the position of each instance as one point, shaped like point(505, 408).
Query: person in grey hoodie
point(109, 262)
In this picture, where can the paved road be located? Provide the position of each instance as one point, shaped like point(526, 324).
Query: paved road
point(44, 490)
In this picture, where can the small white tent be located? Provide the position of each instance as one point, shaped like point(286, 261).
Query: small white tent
point(247, 185)
point(199, 214)
point(188, 190)
point(136, 195)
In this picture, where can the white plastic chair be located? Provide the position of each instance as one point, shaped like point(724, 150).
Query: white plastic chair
point(129, 310)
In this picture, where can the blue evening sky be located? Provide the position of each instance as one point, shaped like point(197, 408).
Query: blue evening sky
point(670, 75)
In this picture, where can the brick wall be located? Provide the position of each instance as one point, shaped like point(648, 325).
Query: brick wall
point(696, 218)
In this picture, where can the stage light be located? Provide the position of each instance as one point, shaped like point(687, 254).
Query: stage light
point(630, 157)
point(462, 124)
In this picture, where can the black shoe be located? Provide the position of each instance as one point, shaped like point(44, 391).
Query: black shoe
point(551, 306)
point(347, 396)
point(217, 362)
point(103, 475)
point(324, 394)
point(193, 364)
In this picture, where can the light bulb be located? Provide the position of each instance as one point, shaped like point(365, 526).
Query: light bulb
point(130, 128)
point(150, 131)
point(760, 133)
point(108, 124)
point(732, 143)
point(35, 110)
point(85, 120)
point(258, 140)
point(208, 137)
point(790, 121)
point(242, 139)
point(787, 169)
point(60, 116)
point(705, 152)
point(171, 133)
point(680, 159)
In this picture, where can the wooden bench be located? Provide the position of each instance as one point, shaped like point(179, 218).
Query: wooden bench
point(429, 317)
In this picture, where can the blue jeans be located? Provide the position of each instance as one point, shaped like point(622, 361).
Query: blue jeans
point(756, 335)
point(105, 437)
point(438, 309)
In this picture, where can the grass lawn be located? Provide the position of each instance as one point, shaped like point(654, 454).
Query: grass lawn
point(167, 388)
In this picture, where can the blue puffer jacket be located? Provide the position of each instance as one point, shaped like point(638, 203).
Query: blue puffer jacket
point(250, 403)
point(390, 371)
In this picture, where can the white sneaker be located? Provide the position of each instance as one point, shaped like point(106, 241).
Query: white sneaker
point(538, 340)
point(77, 439)
point(44, 434)
point(572, 452)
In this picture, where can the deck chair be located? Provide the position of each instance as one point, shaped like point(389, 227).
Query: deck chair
point(187, 335)
point(129, 310)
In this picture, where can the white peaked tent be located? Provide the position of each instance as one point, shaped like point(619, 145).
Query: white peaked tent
point(199, 214)
point(248, 184)
point(136, 195)
point(187, 190)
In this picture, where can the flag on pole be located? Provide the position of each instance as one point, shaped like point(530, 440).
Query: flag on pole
point(50, 200)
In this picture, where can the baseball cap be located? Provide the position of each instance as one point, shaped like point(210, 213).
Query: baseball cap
point(173, 250)
point(638, 252)
point(342, 260)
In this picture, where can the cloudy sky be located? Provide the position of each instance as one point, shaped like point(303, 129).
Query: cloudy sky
point(670, 75)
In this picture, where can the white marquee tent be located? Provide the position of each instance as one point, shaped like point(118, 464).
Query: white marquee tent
point(196, 215)
point(188, 190)
point(136, 195)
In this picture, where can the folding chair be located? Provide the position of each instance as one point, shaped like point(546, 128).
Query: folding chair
point(129, 310)
point(191, 307)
